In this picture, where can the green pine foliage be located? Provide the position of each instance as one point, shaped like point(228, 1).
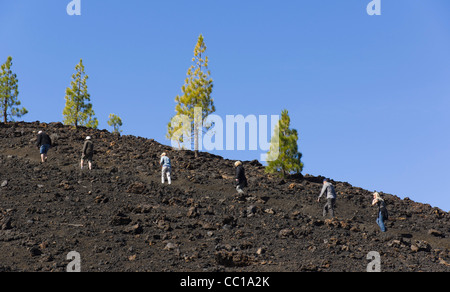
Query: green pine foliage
point(283, 156)
point(196, 93)
point(9, 91)
point(174, 130)
point(115, 122)
point(78, 110)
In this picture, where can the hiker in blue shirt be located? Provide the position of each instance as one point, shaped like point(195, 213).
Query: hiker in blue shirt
point(166, 168)
point(382, 210)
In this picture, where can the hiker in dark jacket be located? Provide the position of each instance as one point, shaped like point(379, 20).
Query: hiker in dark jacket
point(331, 197)
point(241, 180)
point(88, 152)
point(382, 210)
point(44, 143)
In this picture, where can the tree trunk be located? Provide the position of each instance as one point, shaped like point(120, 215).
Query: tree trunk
point(5, 111)
point(5, 105)
point(195, 141)
point(197, 128)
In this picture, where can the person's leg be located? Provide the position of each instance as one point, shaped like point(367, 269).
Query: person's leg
point(332, 204)
point(380, 222)
point(325, 209)
point(169, 179)
point(43, 152)
point(47, 148)
point(82, 163)
point(163, 173)
point(88, 158)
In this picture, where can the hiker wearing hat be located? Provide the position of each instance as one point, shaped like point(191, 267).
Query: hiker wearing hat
point(331, 197)
point(88, 152)
point(166, 168)
point(44, 143)
point(382, 210)
point(241, 179)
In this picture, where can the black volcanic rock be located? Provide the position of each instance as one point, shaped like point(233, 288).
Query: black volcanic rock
point(119, 217)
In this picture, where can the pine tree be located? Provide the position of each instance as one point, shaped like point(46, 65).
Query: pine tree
point(283, 156)
point(9, 91)
point(115, 122)
point(196, 93)
point(173, 130)
point(78, 110)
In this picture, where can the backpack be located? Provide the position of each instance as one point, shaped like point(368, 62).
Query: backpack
point(90, 148)
point(384, 211)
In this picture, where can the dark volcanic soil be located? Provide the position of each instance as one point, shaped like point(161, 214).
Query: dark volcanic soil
point(119, 217)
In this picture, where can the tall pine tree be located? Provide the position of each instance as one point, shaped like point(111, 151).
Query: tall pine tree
point(196, 93)
point(78, 110)
point(9, 91)
point(283, 156)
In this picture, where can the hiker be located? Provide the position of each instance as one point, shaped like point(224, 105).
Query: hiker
point(331, 197)
point(241, 180)
point(88, 152)
point(382, 210)
point(166, 168)
point(44, 143)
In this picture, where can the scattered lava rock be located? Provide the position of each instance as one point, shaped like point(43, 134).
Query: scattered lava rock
point(119, 217)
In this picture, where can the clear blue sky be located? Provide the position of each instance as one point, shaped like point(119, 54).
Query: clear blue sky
point(369, 95)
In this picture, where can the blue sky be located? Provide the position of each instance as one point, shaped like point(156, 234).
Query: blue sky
point(369, 95)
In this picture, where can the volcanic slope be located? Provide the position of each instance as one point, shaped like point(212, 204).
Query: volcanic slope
point(119, 217)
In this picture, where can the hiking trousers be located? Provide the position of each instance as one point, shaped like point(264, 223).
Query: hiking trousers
point(329, 207)
point(166, 170)
point(380, 222)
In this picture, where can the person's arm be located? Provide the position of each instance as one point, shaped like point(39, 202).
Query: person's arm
point(324, 188)
point(84, 148)
point(38, 142)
